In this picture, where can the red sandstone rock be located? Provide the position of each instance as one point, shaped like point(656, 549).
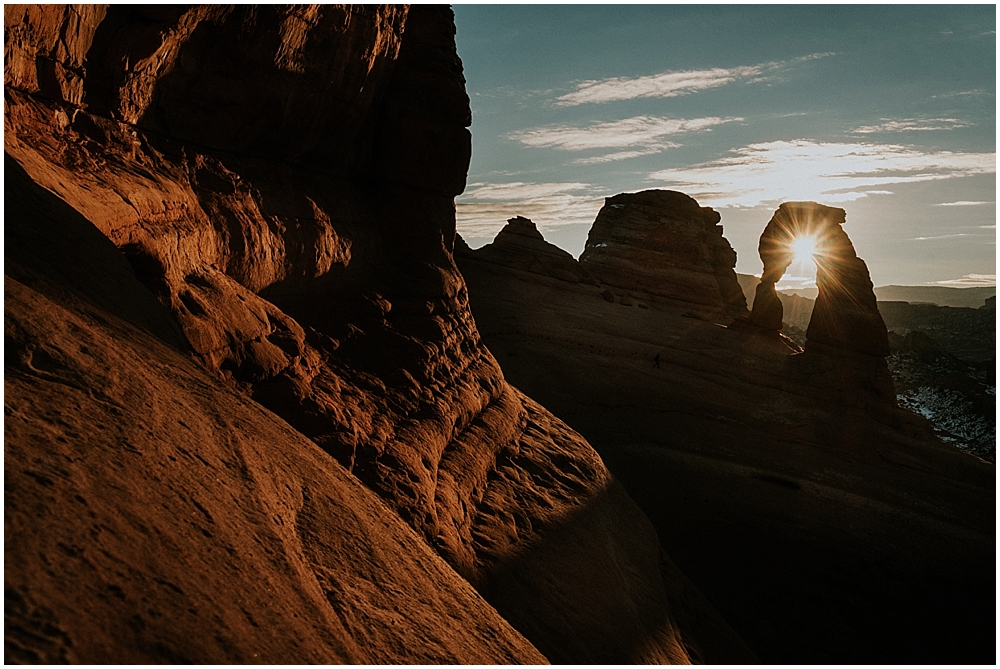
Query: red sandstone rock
point(154, 514)
point(662, 245)
point(281, 180)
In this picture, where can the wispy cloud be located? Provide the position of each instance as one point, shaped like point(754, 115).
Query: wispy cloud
point(912, 124)
point(672, 83)
point(792, 282)
point(952, 236)
point(970, 281)
point(484, 208)
point(975, 92)
point(635, 131)
point(962, 203)
point(773, 172)
point(518, 190)
point(641, 135)
point(625, 155)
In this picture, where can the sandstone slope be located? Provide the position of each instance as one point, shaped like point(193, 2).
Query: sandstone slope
point(280, 181)
point(154, 514)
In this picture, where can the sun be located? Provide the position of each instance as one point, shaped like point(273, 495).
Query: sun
point(804, 248)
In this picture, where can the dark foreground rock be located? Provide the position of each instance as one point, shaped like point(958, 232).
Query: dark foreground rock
point(156, 515)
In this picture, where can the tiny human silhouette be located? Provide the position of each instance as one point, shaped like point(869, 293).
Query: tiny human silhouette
point(656, 361)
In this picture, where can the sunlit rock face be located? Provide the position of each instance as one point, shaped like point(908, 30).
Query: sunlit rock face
point(846, 325)
point(664, 246)
point(281, 180)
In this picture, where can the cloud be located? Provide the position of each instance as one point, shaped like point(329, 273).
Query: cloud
point(644, 131)
point(912, 124)
point(518, 190)
point(773, 172)
point(952, 236)
point(970, 280)
point(672, 83)
point(484, 208)
point(665, 85)
point(976, 92)
point(624, 155)
point(962, 203)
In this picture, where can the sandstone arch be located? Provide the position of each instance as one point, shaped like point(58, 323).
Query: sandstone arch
point(846, 315)
point(846, 328)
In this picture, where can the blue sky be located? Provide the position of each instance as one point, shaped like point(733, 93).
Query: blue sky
point(886, 111)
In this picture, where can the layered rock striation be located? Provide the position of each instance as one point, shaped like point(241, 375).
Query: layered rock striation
point(155, 514)
point(663, 245)
point(280, 183)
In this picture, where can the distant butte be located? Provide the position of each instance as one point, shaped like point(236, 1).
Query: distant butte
point(519, 245)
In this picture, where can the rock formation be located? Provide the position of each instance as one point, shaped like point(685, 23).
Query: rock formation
point(827, 525)
point(520, 245)
point(846, 341)
point(154, 514)
point(280, 182)
point(664, 246)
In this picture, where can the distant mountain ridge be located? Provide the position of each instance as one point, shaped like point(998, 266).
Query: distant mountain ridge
point(943, 296)
point(940, 295)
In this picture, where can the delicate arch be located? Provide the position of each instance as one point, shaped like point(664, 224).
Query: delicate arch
point(845, 315)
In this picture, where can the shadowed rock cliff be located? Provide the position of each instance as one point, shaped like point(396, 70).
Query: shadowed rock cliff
point(154, 514)
point(279, 183)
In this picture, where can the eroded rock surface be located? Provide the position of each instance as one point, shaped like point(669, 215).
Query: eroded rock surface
point(663, 245)
point(155, 514)
point(281, 181)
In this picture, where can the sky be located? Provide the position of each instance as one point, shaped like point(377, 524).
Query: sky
point(886, 111)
